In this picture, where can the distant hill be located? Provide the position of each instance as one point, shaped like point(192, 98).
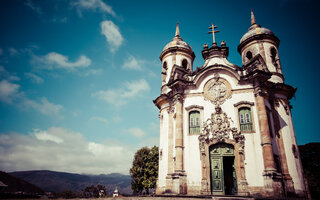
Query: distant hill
point(17, 187)
point(310, 158)
point(51, 181)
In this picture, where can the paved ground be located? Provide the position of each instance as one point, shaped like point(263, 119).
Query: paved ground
point(156, 198)
point(177, 198)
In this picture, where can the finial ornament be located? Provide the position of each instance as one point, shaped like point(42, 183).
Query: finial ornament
point(177, 30)
point(253, 18)
point(213, 32)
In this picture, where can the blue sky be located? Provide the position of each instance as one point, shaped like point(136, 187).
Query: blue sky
point(77, 78)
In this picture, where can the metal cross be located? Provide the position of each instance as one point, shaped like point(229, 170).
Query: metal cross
point(213, 31)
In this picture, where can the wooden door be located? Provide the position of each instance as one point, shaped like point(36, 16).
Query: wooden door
point(219, 172)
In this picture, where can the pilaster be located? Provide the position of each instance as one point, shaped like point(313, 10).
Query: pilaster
point(170, 150)
point(178, 167)
point(179, 179)
point(287, 179)
point(269, 164)
point(272, 180)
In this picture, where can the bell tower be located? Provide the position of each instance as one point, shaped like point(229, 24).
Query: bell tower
point(260, 40)
point(176, 54)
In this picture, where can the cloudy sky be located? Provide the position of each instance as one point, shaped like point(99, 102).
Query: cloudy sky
point(77, 78)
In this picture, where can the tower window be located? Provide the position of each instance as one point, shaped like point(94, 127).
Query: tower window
point(245, 119)
point(164, 65)
point(194, 122)
point(184, 63)
point(273, 53)
point(164, 71)
point(249, 55)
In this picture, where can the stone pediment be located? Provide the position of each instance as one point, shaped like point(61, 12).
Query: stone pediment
point(178, 73)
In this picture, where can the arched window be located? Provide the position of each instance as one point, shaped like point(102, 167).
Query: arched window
point(273, 53)
point(164, 65)
point(245, 119)
point(249, 55)
point(184, 63)
point(194, 122)
point(274, 59)
point(164, 71)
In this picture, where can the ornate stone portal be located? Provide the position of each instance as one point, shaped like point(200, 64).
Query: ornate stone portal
point(217, 130)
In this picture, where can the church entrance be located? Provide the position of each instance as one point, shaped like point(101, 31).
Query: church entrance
point(223, 173)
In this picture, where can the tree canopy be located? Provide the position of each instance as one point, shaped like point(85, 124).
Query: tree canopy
point(144, 171)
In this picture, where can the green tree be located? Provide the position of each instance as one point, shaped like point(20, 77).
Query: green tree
point(91, 191)
point(144, 171)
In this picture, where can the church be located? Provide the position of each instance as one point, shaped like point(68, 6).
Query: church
point(227, 129)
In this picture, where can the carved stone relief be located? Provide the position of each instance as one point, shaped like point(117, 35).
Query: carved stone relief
point(217, 90)
point(218, 128)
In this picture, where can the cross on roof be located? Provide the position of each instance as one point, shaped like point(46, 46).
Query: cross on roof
point(213, 32)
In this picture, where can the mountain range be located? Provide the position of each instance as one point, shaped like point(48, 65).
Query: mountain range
point(52, 181)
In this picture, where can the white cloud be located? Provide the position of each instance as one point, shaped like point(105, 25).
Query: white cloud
point(33, 7)
point(100, 119)
point(13, 51)
point(8, 91)
point(61, 20)
point(44, 136)
point(121, 96)
point(60, 149)
point(34, 78)
point(117, 119)
point(112, 34)
point(137, 132)
point(4, 74)
point(55, 60)
point(45, 107)
point(132, 63)
point(92, 72)
point(93, 5)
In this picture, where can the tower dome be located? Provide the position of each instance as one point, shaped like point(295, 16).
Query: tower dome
point(256, 32)
point(260, 41)
point(177, 43)
point(176, 54)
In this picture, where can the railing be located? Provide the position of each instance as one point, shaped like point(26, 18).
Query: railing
point(194, 129)
point(246, 127)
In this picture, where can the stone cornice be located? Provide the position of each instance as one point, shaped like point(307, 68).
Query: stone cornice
point(243, 103)
point(160, 100)
point(282, 88)
point(176, 49)
point(194, 107)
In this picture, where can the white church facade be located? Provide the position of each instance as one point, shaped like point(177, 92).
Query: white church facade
point(225, 129)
